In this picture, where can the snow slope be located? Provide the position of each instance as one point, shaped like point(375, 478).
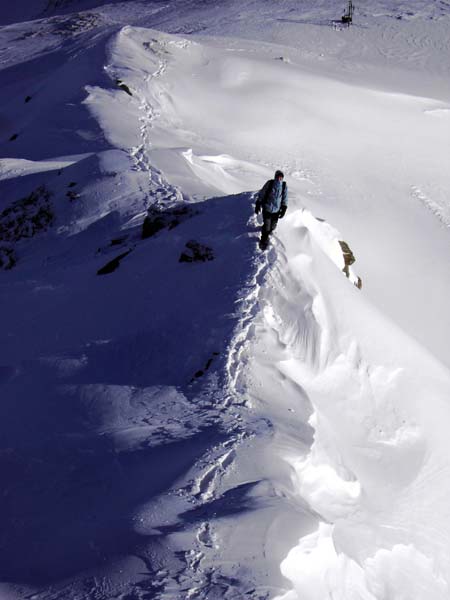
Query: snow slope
point(180, 430)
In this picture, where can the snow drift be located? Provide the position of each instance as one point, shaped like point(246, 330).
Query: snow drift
point(181, 427)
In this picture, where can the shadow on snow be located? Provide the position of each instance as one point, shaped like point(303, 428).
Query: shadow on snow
point(70, 490)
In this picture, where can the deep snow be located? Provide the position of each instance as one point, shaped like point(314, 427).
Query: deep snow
point(252, 426)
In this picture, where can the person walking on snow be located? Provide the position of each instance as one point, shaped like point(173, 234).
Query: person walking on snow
point(273, 200)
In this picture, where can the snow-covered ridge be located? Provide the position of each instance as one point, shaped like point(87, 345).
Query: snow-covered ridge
point(328, 478)
point(202, 420)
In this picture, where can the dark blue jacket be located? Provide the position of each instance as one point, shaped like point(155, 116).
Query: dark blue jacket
point(273, 195)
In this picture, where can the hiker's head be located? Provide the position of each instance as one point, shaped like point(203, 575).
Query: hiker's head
point(279, 175)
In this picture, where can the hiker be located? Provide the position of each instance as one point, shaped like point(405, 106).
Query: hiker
point(272, 199)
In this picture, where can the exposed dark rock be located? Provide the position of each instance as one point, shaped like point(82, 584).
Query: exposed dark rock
point(67, 25)
point(7, 258)
point(26, 217)
point(113, 264)
point(72, 195)
point(118, 241)
point(42, 218)
point(158, 219)
point(14, 137)
point(209, 362)
point(152, 225)
point(123, 87)
point(27, 99)
point(154, 42)
point(196, 252)
point(349, 259)
point(72, 184)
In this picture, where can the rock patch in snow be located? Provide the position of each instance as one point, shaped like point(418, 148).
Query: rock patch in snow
point(27, 217)
point(209, 362)
point(158, 219)
point(196, 252)
point(72, 195)
point(113, 264)
point(349, 259)
point(123, 86)
point(7, 258)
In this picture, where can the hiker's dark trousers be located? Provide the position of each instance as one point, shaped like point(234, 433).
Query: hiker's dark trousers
point(270, 221)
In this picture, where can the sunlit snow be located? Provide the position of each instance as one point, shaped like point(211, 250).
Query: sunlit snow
point(184, 416)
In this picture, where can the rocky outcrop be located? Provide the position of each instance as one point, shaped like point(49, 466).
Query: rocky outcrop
point(7, 258)
point(202, 372)
point(349, 259)
point(113, 264)
point(123, 86)
point(27, 217)
point(196, 252)
point(348, 255)
point(158, 219)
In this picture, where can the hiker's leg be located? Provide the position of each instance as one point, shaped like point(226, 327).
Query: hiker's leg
point(274, 222)
point(266, 227)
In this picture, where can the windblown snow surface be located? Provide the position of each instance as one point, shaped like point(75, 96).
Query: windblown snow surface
point(249, 425)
